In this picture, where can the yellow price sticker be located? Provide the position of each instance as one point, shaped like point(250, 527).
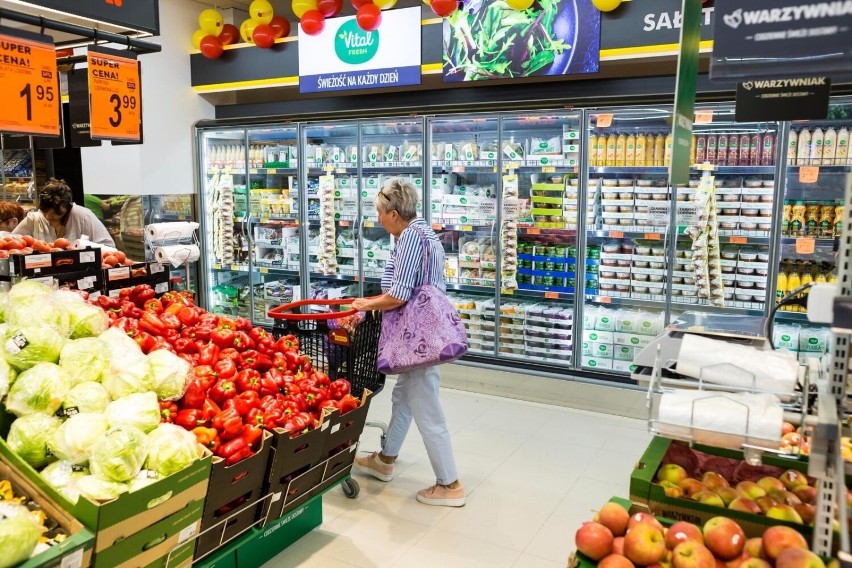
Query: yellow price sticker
point(252, 170)
point(264, 270)
point(507, 292)
point(217, 267)
point(548, 169)
point(272, 171)
point(264, 221)
point(467, 227)
point(369, 224)
point(235, 267)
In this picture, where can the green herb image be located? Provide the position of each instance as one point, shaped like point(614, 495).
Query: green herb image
point(499, 42)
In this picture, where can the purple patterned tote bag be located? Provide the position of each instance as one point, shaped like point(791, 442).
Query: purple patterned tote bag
point(426, 331)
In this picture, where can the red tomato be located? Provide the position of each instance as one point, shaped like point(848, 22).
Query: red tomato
point(129, 262)
point(26, 250)
point(120, 256)
point(41, 246)
point(62, 243)
point(110, 259)
point(14, 251)
point(29, 240)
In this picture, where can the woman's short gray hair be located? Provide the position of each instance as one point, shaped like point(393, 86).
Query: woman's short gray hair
point(399, 196)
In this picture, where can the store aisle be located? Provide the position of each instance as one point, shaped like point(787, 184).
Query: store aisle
point(533, 474)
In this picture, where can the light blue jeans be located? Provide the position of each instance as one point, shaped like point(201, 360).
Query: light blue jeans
point(416, 396)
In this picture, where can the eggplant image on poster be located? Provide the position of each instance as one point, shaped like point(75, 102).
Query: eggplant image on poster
point(488, 39)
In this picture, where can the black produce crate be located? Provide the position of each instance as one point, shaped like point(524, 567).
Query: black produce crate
point(337, 467)
point(293, 468)
point(344, 430)
point(39, 265)
point(154, 274)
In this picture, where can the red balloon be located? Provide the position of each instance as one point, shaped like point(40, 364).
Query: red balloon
point(280, 26)
point(313, 22)
point(444, 8)
point(369, 17)
point(230, 34)
point(211, 47)
point(358, 3)
point(263, 36)
point(330, 8)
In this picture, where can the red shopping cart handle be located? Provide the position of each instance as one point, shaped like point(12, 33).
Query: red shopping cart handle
point(286, 311)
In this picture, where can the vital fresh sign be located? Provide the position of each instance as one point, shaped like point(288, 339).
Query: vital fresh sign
point(28, 84)
point(115, 95)
point(353, 45)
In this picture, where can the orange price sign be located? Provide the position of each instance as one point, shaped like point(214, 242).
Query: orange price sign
point(534, 231)
point(652, 236)
point(739, 240)
point(551, 295)
point(616, 234)
point(805, 246)
point(115, 95)
point(604, 300)
point(29, 85)
point(703, 117)
point(808, 174)
point(604, 121)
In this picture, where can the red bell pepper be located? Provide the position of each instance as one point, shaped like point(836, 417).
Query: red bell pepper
point(228, 448)
point(242, 341)
point(194, 395)
point(170, 298)
point(228, 423)
point(264, 362)
point(329, 405)
point(245, 401)
point(145, 341)
point(207, 354)
point(267, 386)
point(252, 435)
point(223, 337)
point(321, 379)
point(348, 403)
point(188, 315)
point(184, 345)
point(238, 456)
point(222, 391)
point(209, 409)
point(190, 418)
point(258, 334)
point(172, 335)
point(230, 353)
point(225, 368)
point(299, 424)
point(108, 303)
point(242, 324)
point(203, 332)
point(161, 343)
point(171, 321)
point(274, 418)
point(248, 379)
point(339, 388)
point(248, 359)
point(154, 305)
point(141, 294)
point(168, 411)
point(289, 388)
point(191, 358)
point(127, 325)
point(151, 323)
point(205, 374)
point(255, 416)
point(287, 343)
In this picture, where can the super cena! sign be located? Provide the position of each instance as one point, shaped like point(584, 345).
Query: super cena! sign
point(345, 57)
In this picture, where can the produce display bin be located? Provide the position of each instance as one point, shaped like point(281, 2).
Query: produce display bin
point(344, 430)
point(294, 468)
point(579, 560)
point(152, 273)
point(651, 496)
point(335, 469)
point(76, 550)
point(233, 488)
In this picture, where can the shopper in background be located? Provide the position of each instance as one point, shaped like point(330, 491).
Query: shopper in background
point(10, 215)
point(97, 206)
point(58, 217)
point(415, 395)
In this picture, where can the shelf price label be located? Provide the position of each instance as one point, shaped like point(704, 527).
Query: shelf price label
point(604, 121)
point(739, 240)
point(805, 246)
point(551, 295)
point(808, 174)
point(703, 117)
point(115, 94)
point(29, 85)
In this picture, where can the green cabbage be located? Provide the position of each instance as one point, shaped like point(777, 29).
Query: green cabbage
point(74, 440)
point(28, 438)
point(84, 359)
point(87, 397)
point(26, 345)
point(119, 454)
point(96, 489)
point(28, 302)
point(39, 389)
point(4, 302)
point(19, 534)
point(168, 374)
point(128, 370)
point(140, 410)
point(7, 377)
point(87, 320)
point(63, 476)
point(170, 449)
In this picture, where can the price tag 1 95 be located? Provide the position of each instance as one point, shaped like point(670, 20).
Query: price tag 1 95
point(115, 94)
point(29, 84)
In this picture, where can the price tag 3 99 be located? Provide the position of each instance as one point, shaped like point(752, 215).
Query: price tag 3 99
point(115, 95)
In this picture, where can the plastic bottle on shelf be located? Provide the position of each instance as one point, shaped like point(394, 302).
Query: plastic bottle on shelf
point(803, 158)
point(745, 150)
point(722, 150)
point(659, 150)
point(794, 280)
point(821, 274)
point(610, 149)
point(826, 219)
point(711, 148)
point(639, 151)
point(781, 285)
point(792, 148)
point(829, 147)
point(701, 149)
point(797, 219)
point(734, 151)
point(754, 147)
point(649, 149)
point(620, 149)
point(593, 150)
point(816, 147)
point(807, 278)
point(838, 219)
point(786, 218)
point(630, 153)
point(667, 156)
point(842, 154)
point(767, 157)
point(693, 150)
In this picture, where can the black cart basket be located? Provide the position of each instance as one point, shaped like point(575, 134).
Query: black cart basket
point(339, 343)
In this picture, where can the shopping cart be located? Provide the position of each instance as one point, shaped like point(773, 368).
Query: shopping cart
point(341, 344)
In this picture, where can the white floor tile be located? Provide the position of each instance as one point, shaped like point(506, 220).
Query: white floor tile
point(442, 548)
point(530, 561)
point(588, 495)
point(555, 541)
point(376, 540)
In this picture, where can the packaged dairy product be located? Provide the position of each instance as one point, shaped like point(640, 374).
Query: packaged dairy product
point(804, 156)
point(842, 154)
point(786, 337)
point(606, 320)
point(623, 352)
point(829, 147)
point(813, 340)
point(625, 321)
point(815, 156)
point(792, 147)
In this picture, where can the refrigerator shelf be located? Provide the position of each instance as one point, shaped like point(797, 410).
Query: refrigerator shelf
point(650, 234)
point(660, 170)
point(833, 169)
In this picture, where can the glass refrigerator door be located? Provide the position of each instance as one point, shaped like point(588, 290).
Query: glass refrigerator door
point(465, 180)
point(18, 173)
point(627, 234)
point(273, 224)
point(538, 236)
point(224, 210)
point(819, 170)
point(391, 148)
point(733, 205)
point(331, 169)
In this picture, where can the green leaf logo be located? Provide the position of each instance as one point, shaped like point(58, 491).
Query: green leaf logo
point(634, 341)
point(353, 45)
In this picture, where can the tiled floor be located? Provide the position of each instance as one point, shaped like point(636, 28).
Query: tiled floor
point(533, 474)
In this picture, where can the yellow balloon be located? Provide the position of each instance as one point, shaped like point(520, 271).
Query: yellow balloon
point(519, 4)
point(247, 29)
point(197, 36)
point(385, 4)
point(606, 5)
point(302, 6)
point(211, 22)
point(261, 11)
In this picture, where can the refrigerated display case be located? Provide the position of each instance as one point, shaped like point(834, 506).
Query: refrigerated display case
point(17, 174)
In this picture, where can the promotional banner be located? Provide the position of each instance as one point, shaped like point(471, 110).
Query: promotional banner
point(345, 57)
point(635, 26)
point(767, 39)
point(141, 15)
point(490, 40)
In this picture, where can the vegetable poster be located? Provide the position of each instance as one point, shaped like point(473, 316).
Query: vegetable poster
point(488, 39)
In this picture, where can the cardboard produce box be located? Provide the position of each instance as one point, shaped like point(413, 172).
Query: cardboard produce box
point(76, 550)
point(645, 492)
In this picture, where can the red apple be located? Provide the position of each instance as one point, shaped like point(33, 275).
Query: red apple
point(754, 547)
point(644, 544)
point(709, 498)
point(644, 518)
point(750, 489)
point(778, 538)
point(692, 555)
point(691, 486)
point(714, 481)
point(765, 503)
point(785, 497)
point(755, 563)
point(671, 489)
point(784, 512)
point(724, 538)
point(807, 512)
point(745, 505)
point(770, 483)
point(618, 545)
point(798, 558)
point(682, 531)
point(806, 494)
point(727, 494)
point(614, 517)
point(671, 472)
point(786, 428)
point(594, 540)
point(792, 479)
point(615, 561)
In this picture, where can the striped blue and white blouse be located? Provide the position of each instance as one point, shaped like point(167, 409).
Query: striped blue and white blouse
point(404, 270)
